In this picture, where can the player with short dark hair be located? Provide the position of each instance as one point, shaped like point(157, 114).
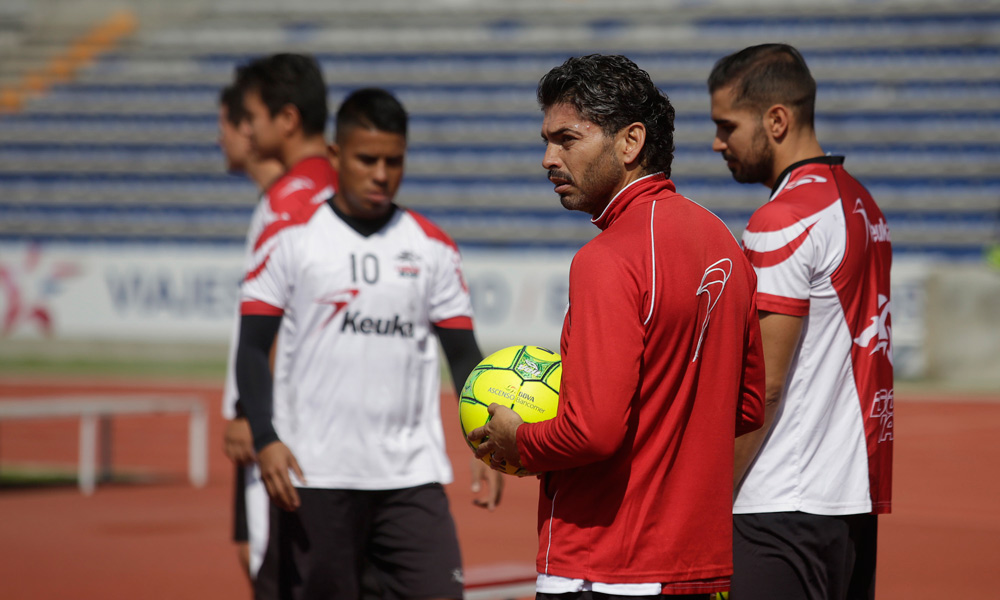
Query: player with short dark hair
point(249, 526)
point(288, 80)
point(813, 479)
point(778, 71)
point(372, 108)
point(350, 443)
point(662, 363)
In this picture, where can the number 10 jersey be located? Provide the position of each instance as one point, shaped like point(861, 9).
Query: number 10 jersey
point(359, 404)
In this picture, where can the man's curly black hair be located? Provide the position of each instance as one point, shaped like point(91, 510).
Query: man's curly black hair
point(613, 92)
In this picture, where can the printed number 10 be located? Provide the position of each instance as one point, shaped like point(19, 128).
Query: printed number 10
point(368, 267)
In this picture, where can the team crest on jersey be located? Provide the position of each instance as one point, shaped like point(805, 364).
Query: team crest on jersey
point(879, 331)
point(407, 264)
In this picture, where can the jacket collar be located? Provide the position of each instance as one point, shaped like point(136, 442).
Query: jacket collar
point(649, 184)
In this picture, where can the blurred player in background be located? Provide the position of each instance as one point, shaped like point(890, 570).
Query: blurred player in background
point(237, 441)
point(819, 471)
point(662, 362)
point(289, 98)
point(351, 445)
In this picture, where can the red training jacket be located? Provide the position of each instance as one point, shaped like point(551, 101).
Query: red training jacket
point(662, 367)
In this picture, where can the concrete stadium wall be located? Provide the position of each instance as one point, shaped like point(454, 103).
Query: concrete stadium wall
point(963, 325)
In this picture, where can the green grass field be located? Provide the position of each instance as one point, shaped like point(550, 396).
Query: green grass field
point(98, 366)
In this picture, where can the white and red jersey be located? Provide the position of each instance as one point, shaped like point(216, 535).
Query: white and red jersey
point(662, 367)
point(360, 405)
point(821, 250)
point(290, 199)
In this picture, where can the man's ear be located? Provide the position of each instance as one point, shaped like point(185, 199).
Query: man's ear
point(290, 119)
point(777, 121)
point(633, 139)
point(333, 153)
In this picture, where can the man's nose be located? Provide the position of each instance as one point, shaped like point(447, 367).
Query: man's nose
point(381, 174)
point(551, 158)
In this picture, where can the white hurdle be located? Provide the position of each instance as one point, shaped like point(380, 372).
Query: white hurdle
point(92, 410)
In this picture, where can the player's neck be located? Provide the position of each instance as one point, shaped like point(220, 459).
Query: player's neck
point(298, 149)
point(265, 172)
point(794, 149)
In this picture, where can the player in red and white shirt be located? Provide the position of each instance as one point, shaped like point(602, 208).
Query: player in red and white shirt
point(249, 526)
point(285, 96)
point(820, 470)
point(662, 358)
point(350, 442)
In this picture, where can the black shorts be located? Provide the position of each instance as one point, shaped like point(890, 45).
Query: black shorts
point(804, 556)
point(403, 539)
point(241, 532)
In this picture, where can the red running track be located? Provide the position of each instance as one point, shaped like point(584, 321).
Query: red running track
point(166, 539)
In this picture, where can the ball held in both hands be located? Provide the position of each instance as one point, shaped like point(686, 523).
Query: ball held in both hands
point(522, 378)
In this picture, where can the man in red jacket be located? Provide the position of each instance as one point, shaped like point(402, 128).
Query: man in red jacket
point(662, 358)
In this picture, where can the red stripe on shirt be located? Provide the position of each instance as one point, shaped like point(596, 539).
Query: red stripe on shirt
point(258, 269)
point(300, 217)
point(431, 230)
point(777, 256)
point(455, 323)
point(782, 305)
point(256, 307)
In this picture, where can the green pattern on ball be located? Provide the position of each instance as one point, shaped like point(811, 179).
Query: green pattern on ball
point(522, 378)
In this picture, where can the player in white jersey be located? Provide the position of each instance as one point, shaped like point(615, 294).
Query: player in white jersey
point(813, 480)
point(350, 444)
point(249, 527)
point(288, 99)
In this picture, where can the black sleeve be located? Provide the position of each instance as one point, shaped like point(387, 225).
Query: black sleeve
point(462, 352)
point(253, 375)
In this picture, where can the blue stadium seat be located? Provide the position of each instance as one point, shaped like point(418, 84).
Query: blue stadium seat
point(127, 151)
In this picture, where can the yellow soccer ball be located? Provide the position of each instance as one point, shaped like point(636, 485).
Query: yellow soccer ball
point(522, 378)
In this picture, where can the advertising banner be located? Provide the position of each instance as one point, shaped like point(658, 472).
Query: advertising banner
point(188, 294)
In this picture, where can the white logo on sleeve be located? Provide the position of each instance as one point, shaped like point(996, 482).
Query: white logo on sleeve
point(712, 283)
point(879, 331)
point(296, 184)
point(805, 179)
